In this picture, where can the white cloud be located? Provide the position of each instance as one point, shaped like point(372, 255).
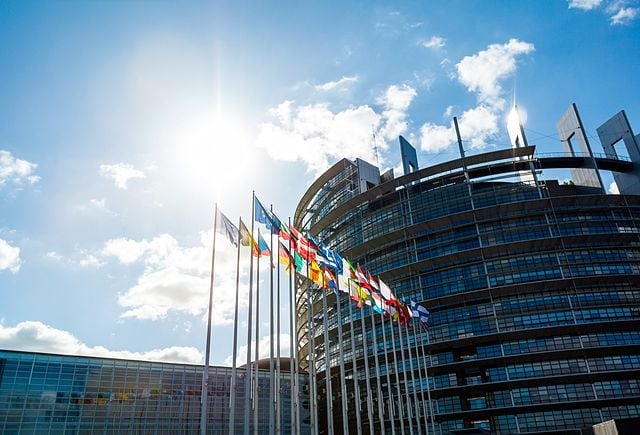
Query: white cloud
point(613, 188)
point(53, 255)
point(91, 260)
point(344, 81)
point(396, 101)
point(317, 135)
point(434, 42)
point(264, 348)
point(176, 278)
point(9, 257)
point(624, 16)
point(121, 173)
point(16, 171)
point(585, 5)
point(482, 72)
point(98, 203)
point(35, 336)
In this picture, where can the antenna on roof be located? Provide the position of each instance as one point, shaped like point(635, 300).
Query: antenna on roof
point(375, 147)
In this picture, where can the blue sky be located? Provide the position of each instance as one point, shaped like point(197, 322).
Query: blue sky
point(122, 123)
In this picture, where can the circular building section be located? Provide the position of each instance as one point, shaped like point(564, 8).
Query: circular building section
point(533, 289)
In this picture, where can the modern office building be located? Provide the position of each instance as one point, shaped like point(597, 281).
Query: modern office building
point(45, 393)
point(532, 283)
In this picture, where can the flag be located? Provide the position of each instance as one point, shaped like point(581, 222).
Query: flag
point(379, 304)
point(301, 245)
point(247, 240)
point(419, 312)
point(283, 231)
point(264, 216)
point(330, 281)
point(330, 258)
point(301, 264)
point(284, 257)
point(315, 274)
point(263, 248)
point(361, 277)
point(373, 282)
point(385, 291)
point(226, 228)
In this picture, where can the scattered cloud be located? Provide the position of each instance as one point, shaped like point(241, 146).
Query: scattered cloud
point(585, 5)
point(9, 257)
point(35, 336)
point(98, 203)
point(53, 255)
point(121, 173)
point(621, 12)
point(395, 101)
point(176, 278)
point(482, 74)
point(624, 16)
point(343, 82)
point(317, 135)
point(264, 348)
point(91, 260)
point(16, 171)
point(613, 188)
point(434, 42)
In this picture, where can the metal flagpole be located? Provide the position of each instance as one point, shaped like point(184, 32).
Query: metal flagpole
point(367, 377)
point(378, 381)
point(413, 378)
point(278, 372)
point(256, 386)
point(398, 386)
point(433, 418)
point(356, 384)
point(424, 363)
point(272, 382)
point(389, 388)
point(234, 364)
point(312, 370)
point(205, 371)
point(293, 349)
point(327, 363)
point(248, 387)
point(404, 374)
point(343, 385)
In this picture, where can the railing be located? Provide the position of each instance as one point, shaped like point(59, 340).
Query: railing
point(596, 155)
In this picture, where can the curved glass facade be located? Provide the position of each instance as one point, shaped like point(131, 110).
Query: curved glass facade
point(44, 393)
point(533, 289)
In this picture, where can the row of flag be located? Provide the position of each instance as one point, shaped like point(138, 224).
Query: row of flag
point(323, 266)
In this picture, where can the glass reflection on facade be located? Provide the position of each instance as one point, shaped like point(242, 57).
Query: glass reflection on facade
point(533, 288)
point(45, 393)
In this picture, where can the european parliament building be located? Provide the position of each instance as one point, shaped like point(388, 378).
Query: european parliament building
point(533, 288)
point(57, 394)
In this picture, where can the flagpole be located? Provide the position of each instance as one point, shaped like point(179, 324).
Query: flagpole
point(312, 371)
point(355, 370)
point(367, 377)
point(413, 380)
point(404, 374)
point(433, 419)
point(293, 346)
point(389, 388)
point(398, 386)
point(205, 371)
point(424, 363)
point(256, 393)
point(377, 363)
point(278, 396)
point(327, 364)
point(343, 385)
point(272, 382)
point(248, 367)
point(232, 399)
point(278, 372)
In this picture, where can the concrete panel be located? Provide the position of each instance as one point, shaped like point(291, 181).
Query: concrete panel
point(617, 139)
